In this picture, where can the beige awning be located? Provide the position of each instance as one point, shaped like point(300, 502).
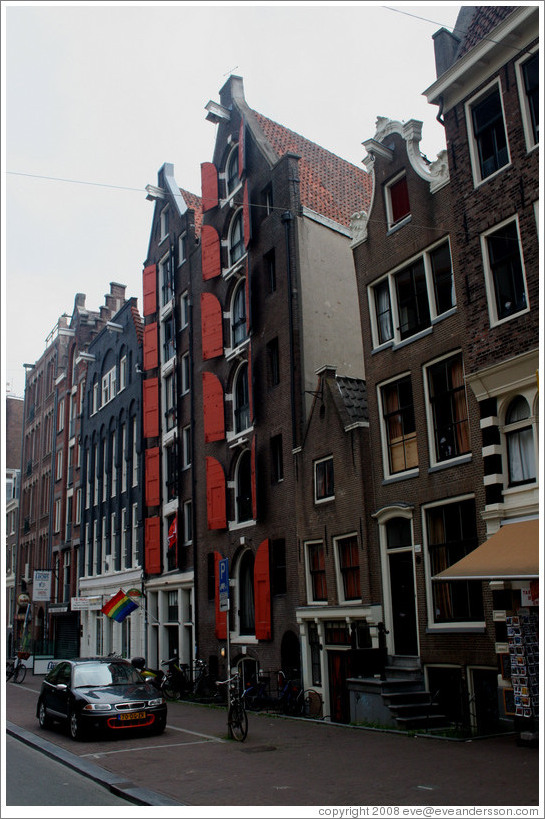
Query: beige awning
point(512, 553)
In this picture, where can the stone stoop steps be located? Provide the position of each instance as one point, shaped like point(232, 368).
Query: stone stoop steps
point(401, 700)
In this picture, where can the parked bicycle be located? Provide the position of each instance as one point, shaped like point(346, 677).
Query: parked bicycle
point(15, 668)
point(176, 682)
point(237, 718)
point(290, 696)
point(256, 695)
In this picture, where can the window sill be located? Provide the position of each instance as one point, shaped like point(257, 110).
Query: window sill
point(237, 352)
point(234, 526)
point(462, 459)
point(477, 177)
point(402, 476)
point(227, 272)
point(320, 501)
point(402, 222)
point(499, 322)
point(457, 628)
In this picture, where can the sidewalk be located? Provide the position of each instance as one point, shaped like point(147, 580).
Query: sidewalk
point(292, 762)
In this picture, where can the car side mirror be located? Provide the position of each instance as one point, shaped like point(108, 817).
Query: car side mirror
point(61, 687)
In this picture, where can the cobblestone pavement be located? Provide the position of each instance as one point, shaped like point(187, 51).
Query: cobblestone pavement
point(292, 762)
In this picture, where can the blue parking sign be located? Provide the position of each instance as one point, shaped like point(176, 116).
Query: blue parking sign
point(224, 584)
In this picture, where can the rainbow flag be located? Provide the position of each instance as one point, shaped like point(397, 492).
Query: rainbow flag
point(119, 607)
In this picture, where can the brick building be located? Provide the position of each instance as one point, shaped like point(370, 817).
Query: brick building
point(111, 550)
point(487, 90)
point(13, 427)
point(172, 265)
point(276, 301)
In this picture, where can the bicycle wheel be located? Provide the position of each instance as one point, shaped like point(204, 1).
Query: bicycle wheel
point(238, 722)
point(10, 668)
point(20, 673)
point(170, 690)
point(313, 704)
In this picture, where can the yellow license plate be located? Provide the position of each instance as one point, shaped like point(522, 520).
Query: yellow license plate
point(136, 715)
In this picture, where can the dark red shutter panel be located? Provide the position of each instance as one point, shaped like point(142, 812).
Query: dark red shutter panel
point(211, 325)
point(215, 494)
point(241, 149)
point(221, 616)
point(153, 497)
point(399, 197)
point(151, 359)
point(149, 282)
point(150, 397)
point(246, 216)
point(253, 475)
point(211, 256)
point(209, 185)
point(262, 593)
point(152, 548)
point(214, 416)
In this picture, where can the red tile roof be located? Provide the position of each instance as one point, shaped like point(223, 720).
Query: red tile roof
point(329, 185)
point(194, 203)
point(138, 323)
point(484, 20)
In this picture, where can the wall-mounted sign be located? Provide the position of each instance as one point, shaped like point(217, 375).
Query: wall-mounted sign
point(86, 603)
point(41, 586)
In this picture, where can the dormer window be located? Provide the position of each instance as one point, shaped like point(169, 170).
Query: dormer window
point(397, 201)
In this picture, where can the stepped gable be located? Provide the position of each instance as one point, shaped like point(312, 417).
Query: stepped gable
point(329, 185)
point(484, 20)
point(194, 203)
point(354, 395)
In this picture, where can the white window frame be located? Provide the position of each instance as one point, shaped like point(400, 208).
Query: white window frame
point(57, 515)
point(58, 465)
point(164, 280)
point(237, 376)
point(184, 309)
point(122, 373)
point(60, 416)
point(182, 248)
point(316, 463)
point(523, 99)
point(530, 396)
point(94, 407)
point(123, 544)
point(186, 447)
point(185, 370)
point(478, 179)
point(435, 317)
point(77, 520)
point(388, 203)
point(188, 522)
point(455, 625)
point(308, 576)
point(123, 457)
point(238, 182)
point(433, 459)
point(114, 466)
point(338, 574)
point(412, 470)
point(238, 215)
point(134, 538)
point(134, 453)
point(495, 320)
point(108, 386)
point(164, 224)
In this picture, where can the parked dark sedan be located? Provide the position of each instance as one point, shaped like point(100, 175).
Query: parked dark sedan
point(100, 693)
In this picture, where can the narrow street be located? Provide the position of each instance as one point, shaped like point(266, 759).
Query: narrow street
point(291, 762)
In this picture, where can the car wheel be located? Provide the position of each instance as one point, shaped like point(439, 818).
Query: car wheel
point(43, 719)
point(76, 731)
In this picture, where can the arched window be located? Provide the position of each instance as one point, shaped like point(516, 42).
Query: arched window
point(519, 435)
point(246, 593)
point(236, 238)
point(231, 174)
point(242, 400)
point(244, 488)
point(238, 315)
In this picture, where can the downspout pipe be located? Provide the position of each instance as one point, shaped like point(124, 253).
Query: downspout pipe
point(287, 219)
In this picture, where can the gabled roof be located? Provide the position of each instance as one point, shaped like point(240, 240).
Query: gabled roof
point(329, 185)
point(138, 322)
point(483, 21)
point(194, 203)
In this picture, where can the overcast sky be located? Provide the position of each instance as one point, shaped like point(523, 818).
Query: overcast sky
point(100, 95)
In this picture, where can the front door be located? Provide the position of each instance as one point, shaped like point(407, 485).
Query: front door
point(339, 670)
point(402, 597)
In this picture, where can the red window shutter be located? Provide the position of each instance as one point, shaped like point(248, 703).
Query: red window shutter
point(215, 494)
point(399, 198)
point(214, 416)
point(151, 358)
point(221, 616)
point(241, 149)
point(246, 216)
point(152, 549)
point(150, 289)
point(262, 593)
point(253, 475)
point(211, 325)
point(209, 185)
point(153, 497)
point(150, 395)
point(211, 257)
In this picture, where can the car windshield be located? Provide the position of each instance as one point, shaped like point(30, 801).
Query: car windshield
point(91, 674)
